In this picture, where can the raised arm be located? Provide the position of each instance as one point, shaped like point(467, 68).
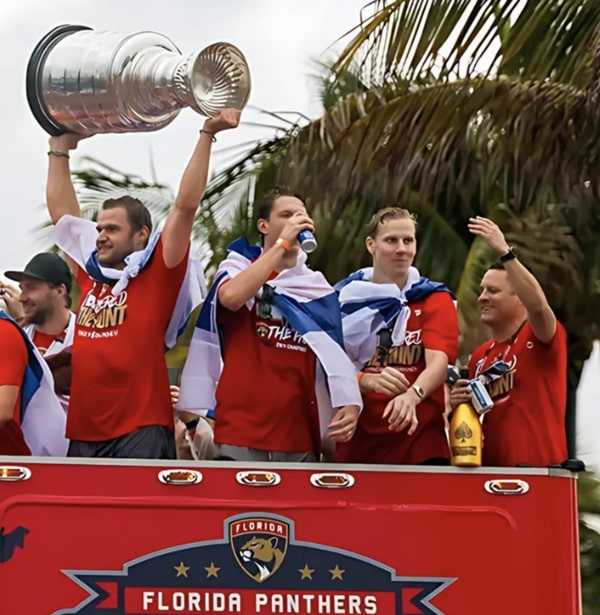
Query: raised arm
point(178, 226)
point(60, 193)
point(246, 284)
point(539, 313)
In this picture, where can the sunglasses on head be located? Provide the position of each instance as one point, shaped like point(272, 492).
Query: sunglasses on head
point(384, 339)
point(264, 307)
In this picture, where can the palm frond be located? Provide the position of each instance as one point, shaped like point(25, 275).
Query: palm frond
point(443, 248)
point(413, 39)
point(532, 39)
point(472, 332)
point(460, 139)
point(331, 88)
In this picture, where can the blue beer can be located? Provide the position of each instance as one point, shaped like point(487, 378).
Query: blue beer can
point(308, 241)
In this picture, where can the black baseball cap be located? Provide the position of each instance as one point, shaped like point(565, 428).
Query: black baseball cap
point(46, 266)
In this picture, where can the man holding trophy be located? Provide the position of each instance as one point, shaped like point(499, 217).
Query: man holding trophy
point(137, 287)
point(130, 290)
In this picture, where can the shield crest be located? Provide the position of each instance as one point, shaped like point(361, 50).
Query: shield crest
point(259, 545)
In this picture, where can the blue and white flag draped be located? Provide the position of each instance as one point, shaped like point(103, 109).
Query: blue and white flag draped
point(58, 345)
point(368, 307)
point(307, 302)
point(77, 238)
point(43, 419)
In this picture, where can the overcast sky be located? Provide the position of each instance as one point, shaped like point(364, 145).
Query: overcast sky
point(279, 39)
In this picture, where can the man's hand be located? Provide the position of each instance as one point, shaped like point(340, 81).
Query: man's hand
point(227, 118)
point(65, 142)
point(388, 381)
point(300, 221)
point(343, 424)
point(401, 412)
point(174, 394)
point(186, 417)
point(490, 232)
point(11, 295)
point(460, 393)
point(182, 443)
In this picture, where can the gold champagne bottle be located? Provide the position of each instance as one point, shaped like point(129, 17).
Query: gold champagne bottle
point(465, 437)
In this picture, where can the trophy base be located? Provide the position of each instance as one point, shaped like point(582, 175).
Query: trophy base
point(34, 70)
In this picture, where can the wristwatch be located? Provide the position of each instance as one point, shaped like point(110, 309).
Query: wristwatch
point(509, 256)
point(419, 391)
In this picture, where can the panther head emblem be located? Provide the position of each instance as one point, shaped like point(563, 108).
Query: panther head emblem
point(262, 555)
point(259, 544)
point(262, 330)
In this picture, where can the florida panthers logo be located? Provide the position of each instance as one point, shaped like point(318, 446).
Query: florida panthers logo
point(259, 545)
point(264, 555)
point(262, 330)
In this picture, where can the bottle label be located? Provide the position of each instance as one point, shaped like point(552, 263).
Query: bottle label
point(464, 451)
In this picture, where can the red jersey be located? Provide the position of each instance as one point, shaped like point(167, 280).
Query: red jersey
point(266, 393)
point(527, 423)
point(432, 325)
point(13, 361)
point(43, 341)
point(119, 375)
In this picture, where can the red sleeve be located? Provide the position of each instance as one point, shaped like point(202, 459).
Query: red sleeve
point(440, 325)
point(558, 341)
point(13, 355)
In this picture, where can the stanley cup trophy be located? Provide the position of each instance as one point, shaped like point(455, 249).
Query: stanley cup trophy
point(87, 82)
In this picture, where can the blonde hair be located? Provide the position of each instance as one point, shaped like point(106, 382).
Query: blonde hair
point(388, 213)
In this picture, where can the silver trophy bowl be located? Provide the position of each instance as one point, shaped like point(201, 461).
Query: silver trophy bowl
point(87, 82)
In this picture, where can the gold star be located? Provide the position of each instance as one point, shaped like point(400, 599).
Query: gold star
point(212, 570)
point(306, 572)
point(337, 573)
point(182, 569)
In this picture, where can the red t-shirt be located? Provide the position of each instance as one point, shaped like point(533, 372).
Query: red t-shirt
point(13, 361)
point(527, 423)
point(119, 375)
point(266, 393)
point(432, 325)
point(43, 341)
